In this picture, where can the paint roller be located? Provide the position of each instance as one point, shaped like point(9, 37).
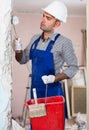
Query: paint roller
point(14, 21)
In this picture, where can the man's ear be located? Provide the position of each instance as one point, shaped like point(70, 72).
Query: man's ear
point(58, 23)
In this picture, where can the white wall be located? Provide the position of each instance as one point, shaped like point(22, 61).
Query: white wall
point(28, 26)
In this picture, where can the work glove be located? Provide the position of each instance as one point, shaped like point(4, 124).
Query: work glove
point(48, 79)
point(17, 44)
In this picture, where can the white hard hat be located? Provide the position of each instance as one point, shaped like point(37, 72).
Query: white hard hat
point(58, 10)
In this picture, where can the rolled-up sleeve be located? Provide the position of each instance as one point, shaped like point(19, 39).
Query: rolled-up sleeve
point(70, 59)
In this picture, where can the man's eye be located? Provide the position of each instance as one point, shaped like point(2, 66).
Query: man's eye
point(49, 18)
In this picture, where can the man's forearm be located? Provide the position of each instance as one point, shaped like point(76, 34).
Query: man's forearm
point(60, 77)
point(18, 56)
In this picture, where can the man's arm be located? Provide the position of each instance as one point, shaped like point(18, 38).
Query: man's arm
point(18, 55)
point(60, 77)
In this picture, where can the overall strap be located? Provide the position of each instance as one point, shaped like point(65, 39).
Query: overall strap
point(35, 42)
point(56, 37)
point(51, 43)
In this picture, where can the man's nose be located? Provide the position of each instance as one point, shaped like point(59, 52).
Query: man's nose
point(43, 19)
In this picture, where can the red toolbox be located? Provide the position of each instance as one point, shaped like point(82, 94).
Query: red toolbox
point(54, 119)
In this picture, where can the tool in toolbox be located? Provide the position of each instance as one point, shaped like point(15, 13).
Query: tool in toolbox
point(37, 109)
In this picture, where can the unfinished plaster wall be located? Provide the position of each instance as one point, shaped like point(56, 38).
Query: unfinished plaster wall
point(5, 65)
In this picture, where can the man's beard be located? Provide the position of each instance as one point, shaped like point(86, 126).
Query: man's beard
point(44, 29)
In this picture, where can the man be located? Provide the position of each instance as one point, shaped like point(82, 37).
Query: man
point(48, 52)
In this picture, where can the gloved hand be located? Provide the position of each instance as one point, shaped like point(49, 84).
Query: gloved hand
point(18, 44)
point(48, 79)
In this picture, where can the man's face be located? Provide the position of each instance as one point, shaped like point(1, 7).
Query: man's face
point(48, 23)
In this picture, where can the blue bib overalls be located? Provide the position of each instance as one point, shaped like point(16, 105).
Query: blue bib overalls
point(43, 64)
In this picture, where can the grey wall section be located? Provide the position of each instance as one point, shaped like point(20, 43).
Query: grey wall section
point(5, 65)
